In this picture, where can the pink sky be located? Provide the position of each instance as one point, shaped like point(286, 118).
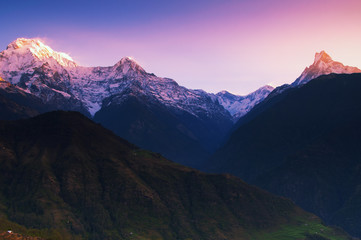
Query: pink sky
point(237, 46)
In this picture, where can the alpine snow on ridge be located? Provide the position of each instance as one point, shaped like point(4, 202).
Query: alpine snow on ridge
point(152, 112)
point(37, 69)
point(239, 106)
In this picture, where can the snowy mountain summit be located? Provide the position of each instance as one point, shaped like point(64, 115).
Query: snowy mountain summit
point(323, 65)
point(55, 77)
point(152, 112)
point(31, 53)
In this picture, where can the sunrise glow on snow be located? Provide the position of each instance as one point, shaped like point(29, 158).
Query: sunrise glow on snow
point(214, 45)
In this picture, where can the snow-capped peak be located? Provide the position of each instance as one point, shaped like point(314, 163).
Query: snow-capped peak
point(40, 51)
point(323, 65)
point(322, 56)
point(267, 88)
point(128, 64)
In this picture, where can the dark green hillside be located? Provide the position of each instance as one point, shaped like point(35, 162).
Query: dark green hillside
point(66, 176)
point(305, 144)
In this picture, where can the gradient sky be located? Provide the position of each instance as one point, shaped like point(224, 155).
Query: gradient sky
point(213, 45)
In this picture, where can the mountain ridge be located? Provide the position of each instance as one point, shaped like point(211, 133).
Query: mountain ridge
point(62, 172)
point(323, 65)
point(119, 95)
point(303, 144)
point(238, 106)
point(90, 85)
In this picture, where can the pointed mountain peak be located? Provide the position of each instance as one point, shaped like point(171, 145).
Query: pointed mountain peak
point(266, 88)
point(41, 51)
point(323, 65)
point(128, 65)
point(322, 56)
point(224, 92)
point(127, 60)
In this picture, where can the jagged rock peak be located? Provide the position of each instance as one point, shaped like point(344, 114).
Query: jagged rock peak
point(323, 65)
point(265, 88)
point(226, 94)
point(40, 51)
point(322, 56)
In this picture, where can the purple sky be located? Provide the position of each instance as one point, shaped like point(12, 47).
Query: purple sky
point(209, 44)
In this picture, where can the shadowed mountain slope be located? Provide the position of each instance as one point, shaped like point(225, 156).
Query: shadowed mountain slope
point(61, 171)
point(304, 144)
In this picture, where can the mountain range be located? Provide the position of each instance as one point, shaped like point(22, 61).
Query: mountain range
point(56, 79)
point(145, 109)
point(155, 113)
point(298, 140)
point(36, 68)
